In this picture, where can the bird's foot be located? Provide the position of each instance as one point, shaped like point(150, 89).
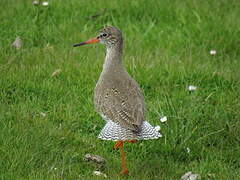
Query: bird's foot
point(124, 172)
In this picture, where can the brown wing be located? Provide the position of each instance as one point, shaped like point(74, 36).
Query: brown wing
point(121, 101)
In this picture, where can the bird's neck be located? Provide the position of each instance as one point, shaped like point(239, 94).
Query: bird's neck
point(113, 59)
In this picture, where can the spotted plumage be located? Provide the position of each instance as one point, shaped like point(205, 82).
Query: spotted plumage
point(117, 96)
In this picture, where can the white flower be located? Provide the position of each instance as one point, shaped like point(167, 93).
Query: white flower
point(192, 88)
point(53, 168)
point(157, 128)
point(163, 119)
point(43, 114)
point(56, 72)
point(99, 173)
point(213, 52)
point(45, 3)
point(188, 150)
point(35, 2)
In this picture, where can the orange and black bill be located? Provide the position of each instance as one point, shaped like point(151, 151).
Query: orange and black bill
point(90, 41)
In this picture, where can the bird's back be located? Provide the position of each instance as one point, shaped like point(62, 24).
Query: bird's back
point(118, 97)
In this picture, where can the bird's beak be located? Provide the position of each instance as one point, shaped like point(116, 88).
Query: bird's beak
point(90, 41)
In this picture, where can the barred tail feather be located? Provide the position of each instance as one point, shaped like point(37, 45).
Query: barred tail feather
point(113, 131)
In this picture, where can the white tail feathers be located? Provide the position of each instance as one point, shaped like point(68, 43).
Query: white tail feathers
point(113, 131)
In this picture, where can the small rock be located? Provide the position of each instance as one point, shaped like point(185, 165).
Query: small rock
point(17, 43)
point(99, 173)
point(96, 159)
point(190, 176)
point(56, 72)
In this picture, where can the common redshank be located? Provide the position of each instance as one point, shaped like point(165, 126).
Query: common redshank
point(118, 98)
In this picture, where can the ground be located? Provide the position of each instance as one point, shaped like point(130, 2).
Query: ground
point(48, 123)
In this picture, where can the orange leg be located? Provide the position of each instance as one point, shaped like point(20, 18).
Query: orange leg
point(123, 157)
point(120, 144)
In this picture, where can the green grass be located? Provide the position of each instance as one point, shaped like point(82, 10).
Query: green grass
point(167, 46)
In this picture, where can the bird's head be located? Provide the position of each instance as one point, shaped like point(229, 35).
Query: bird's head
point(109, 36)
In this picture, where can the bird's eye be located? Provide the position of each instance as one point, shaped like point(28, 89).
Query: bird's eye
point(104, 35)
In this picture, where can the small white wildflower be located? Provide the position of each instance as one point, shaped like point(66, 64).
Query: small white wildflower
point(163, 119)
point(192, 88)
point(53, 168)
point(48, 47)
point(35, 2)
point(17, 43)
point(188, 150)
point(213, 52)
point(43, 114)
point(56, 72)
point(99, 173)
point(157, 128)
point(45, 3)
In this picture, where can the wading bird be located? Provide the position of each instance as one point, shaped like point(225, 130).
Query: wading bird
point(118, 98)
